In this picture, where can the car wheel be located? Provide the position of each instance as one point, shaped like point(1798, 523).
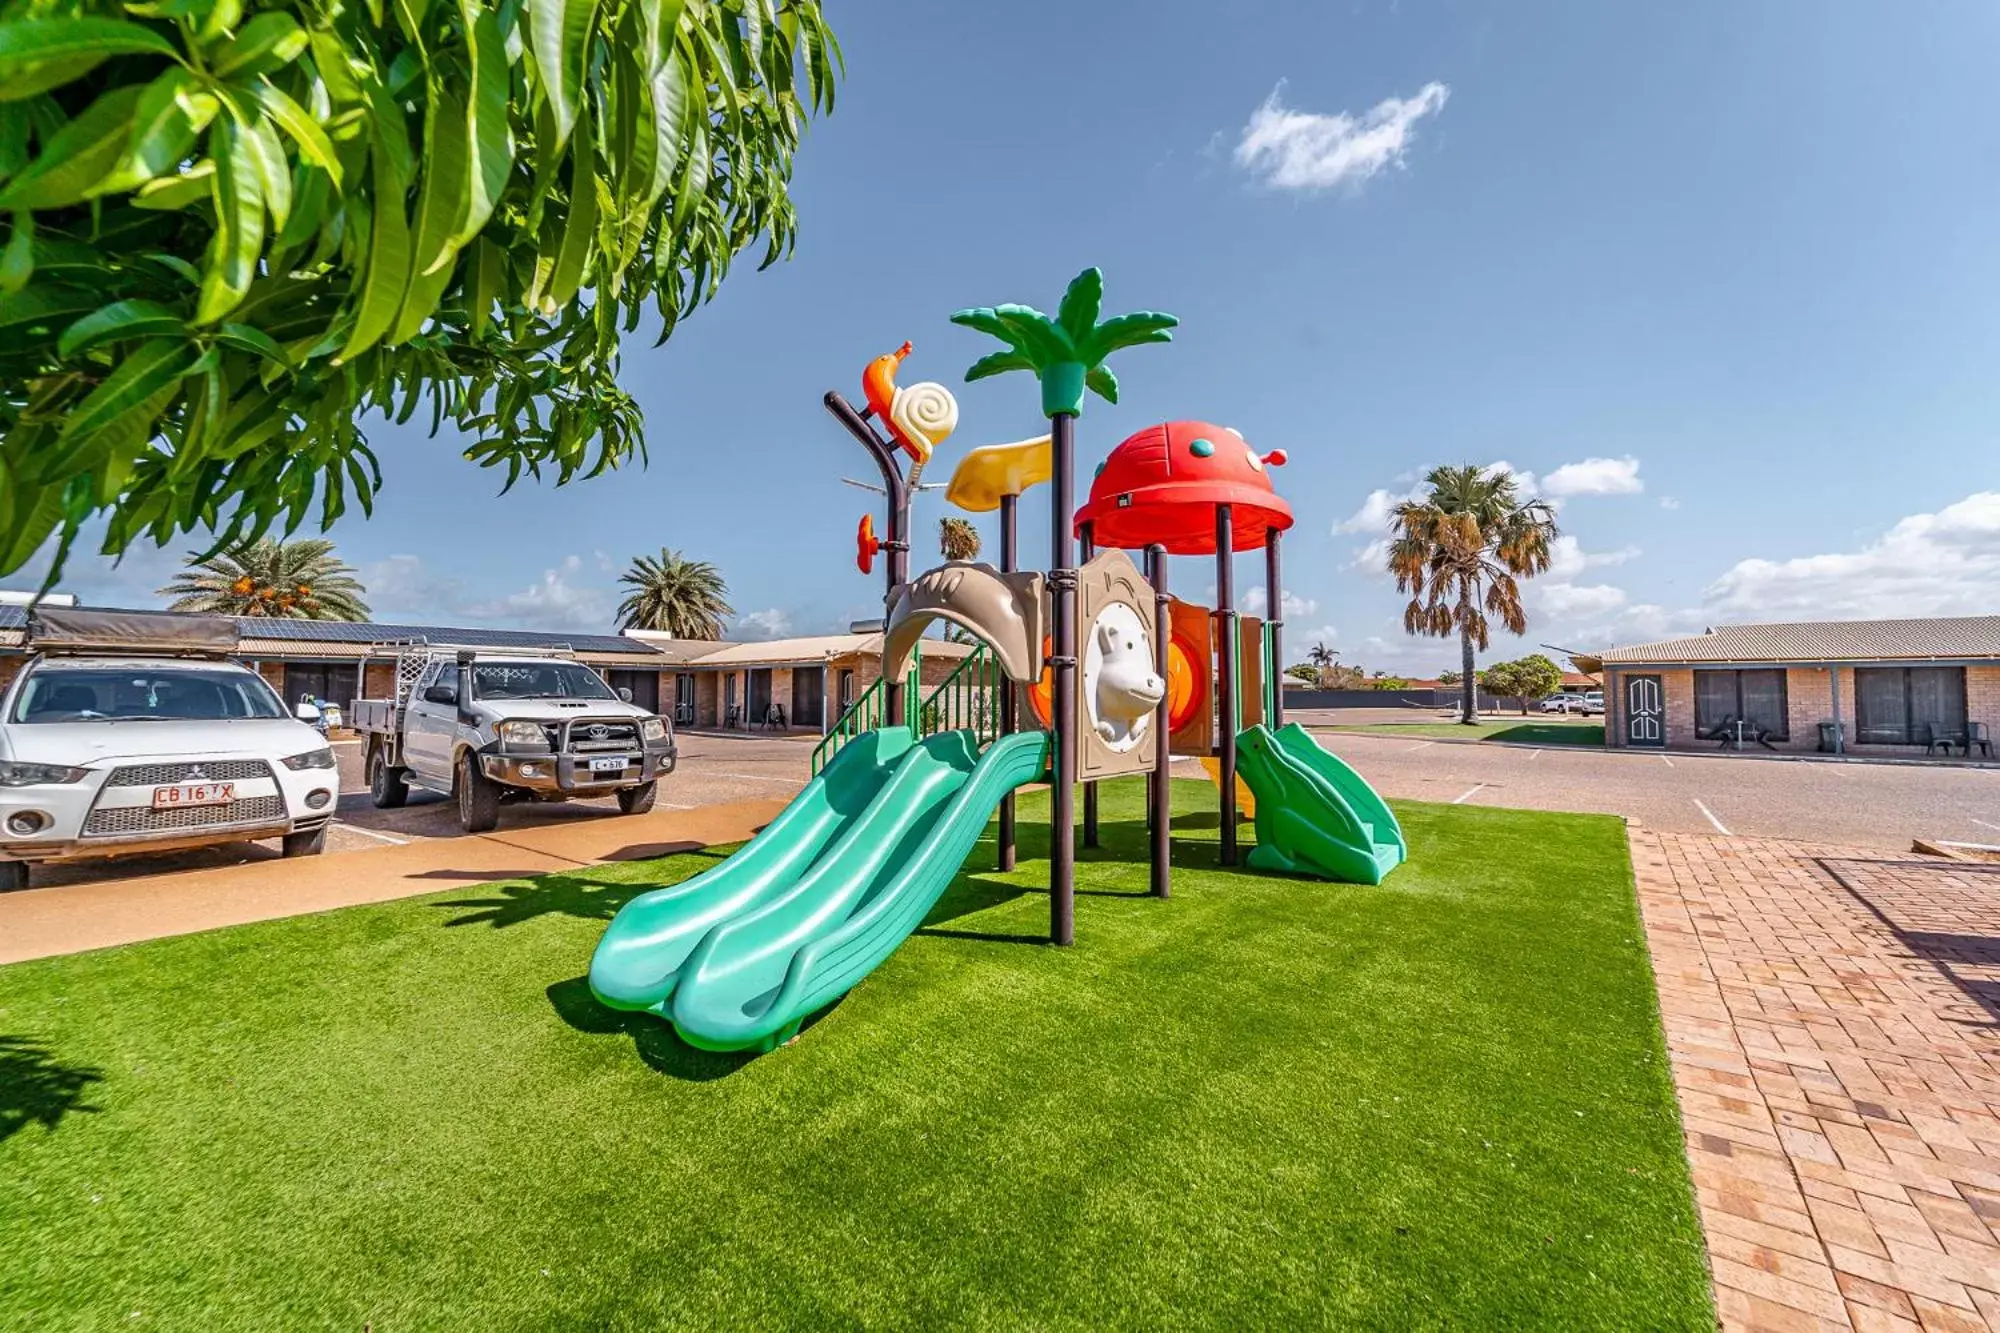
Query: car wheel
point(13, 875)
point(478, 796)
point(305, 844)
point(386, 783)
point(637, 800)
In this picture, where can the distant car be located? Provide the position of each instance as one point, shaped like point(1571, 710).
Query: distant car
point(1567, 703)
point(1593, 704)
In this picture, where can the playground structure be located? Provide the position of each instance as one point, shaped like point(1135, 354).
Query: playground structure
point(1119, 674)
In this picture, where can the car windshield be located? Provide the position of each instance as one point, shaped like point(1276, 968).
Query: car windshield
point(537, 680)
point(135, 694)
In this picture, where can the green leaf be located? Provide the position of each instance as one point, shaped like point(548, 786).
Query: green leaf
point(985, 320)
point(14, 124)
point(36, 312)
point(266, 43)
point(17, 261)
point(1145, 326)
point(171, 192)
point(488, 135)
point(1036, 334)
point(1100, 381)
point(81, 154)
point(231, 263)
point(171, 114)
point(659, 146)
point(152, 366)
point(440, 213)
point(299, 127)
point(117, 322)
point(1081, 304)
point(559, 33)
point(486, 283)
point(381, 286)
point(579, 229)
point(274, 171)
point(997, 363)
point(244, 338)
point(41, 53)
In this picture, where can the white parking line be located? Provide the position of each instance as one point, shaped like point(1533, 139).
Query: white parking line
point(1461, 798)
point(371, 833)
point(1420, 745)
point(1668, 762)
point(1983, 824)
point(1533, 755)
point(1720, 827)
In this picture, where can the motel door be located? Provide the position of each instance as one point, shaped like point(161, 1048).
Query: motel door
point(1645, 712)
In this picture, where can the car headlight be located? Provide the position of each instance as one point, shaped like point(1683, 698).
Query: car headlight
point(653, 729)
point(524, 735)
point(320, 758)
point(14, 774)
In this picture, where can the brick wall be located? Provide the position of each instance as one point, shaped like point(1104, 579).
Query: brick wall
point(10, 667)
point(378, 680)
point(707, 698)
point(1982, 699)
point(273, 674)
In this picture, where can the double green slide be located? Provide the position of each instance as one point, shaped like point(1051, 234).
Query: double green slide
point(1315, 815)
point(738, 956)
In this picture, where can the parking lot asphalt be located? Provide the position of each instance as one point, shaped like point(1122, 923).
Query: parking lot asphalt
point(1856, 804)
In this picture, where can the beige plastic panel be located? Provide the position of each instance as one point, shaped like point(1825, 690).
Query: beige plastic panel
point(1118, 692)
point(1008, 611)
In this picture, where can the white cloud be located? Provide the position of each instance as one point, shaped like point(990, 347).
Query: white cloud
point(1595, 476)
point(1303, 150)
point(1579, 599)
point(408, 588)
point(1669, 502)
point(770, 623)
point(1941, 564)
point(555, 602)
point(1296, 607)
point(1373, 516)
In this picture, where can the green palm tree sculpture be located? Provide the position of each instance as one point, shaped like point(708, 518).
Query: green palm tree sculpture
point(301, 580)
point(1065, 353)
point(674, 595)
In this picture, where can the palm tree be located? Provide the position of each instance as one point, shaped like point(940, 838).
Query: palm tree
point(1460, 551)
point(1323, 659)
point(301, 580)
point(1065, 353)
point(674, 595)
point(958, 539)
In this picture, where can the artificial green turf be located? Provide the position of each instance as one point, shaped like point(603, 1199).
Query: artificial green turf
point(1521, 733)
point(1263, 1103)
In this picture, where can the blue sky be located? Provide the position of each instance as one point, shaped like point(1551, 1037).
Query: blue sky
point(1725, 279)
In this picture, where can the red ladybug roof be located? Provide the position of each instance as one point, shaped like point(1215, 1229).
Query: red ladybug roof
point(1164, 483)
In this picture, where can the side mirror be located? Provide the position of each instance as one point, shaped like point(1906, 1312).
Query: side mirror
point(441, 694)
point(625, 694)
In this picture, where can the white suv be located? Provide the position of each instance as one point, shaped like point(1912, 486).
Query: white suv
point(1563, 703)
point(106, 754)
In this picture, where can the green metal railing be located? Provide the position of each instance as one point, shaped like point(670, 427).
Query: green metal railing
point(966, 700)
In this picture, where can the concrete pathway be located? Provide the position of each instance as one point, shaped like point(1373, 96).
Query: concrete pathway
point(1833, 1017)
point(69, 918)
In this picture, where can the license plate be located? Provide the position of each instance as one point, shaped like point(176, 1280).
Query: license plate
point(607, 765)
point(193, 793)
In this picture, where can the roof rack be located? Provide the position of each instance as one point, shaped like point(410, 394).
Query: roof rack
point(69, 629)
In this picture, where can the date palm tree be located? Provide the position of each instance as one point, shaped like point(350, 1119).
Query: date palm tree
point(301, 580)
point(958, 539)
point(1460, 552)
point(674, 595)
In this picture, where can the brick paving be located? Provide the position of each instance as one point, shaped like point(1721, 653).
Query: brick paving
point(1833, 1017)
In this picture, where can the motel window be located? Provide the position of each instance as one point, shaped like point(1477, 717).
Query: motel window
point(1756, 697)
point(1900, 705)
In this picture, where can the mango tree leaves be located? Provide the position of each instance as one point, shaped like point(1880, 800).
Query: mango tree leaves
point(222, 245)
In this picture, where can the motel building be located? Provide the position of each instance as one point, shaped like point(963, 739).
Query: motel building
point(1908, 688)
point(798, 685)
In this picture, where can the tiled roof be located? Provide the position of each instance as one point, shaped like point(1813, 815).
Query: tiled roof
point(1949, 638)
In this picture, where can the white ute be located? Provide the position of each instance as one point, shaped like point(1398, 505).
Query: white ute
point(132, 731)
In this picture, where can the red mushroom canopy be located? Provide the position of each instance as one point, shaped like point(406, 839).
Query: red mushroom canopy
point(1164, 483)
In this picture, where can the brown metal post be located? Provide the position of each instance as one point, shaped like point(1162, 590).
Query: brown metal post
point(1008, 689)
point(1088, 549)
point(1275, 628)
point(1159, 788)
point(1225, 670)
point(1062, 707)
point(897, 566)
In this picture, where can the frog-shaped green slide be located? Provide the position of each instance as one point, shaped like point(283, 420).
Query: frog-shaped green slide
point(1315, 815)
point(738, 956)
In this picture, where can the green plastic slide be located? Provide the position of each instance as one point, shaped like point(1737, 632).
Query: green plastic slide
point(740, 955)
point(1315, 815)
